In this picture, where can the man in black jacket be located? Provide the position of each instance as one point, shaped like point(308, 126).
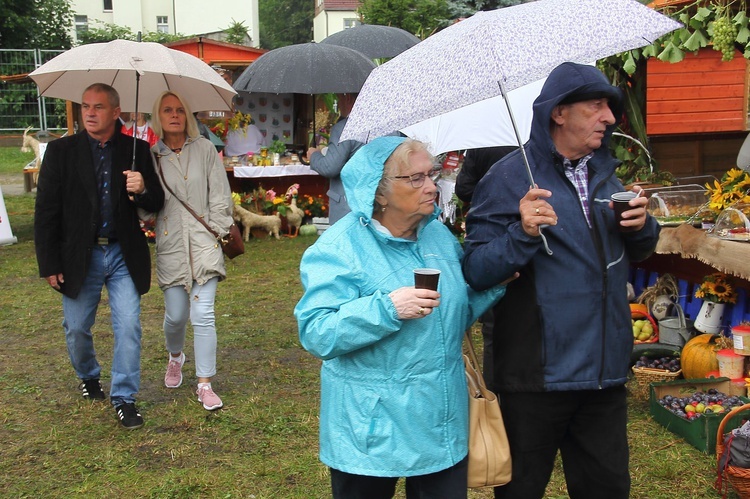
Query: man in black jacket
point(87, 235)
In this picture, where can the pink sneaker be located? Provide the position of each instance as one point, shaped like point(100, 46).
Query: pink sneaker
point(173, 378)
point(210, 400)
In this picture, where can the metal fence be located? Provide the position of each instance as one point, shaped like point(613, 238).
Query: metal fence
point(21, 105)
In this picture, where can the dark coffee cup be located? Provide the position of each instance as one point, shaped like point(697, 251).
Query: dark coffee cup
point(426, 278)
point(620, 204)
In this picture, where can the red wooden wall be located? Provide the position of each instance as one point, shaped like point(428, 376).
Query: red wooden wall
point(700, 94)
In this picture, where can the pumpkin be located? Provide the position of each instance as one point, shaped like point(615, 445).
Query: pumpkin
point(308, 230)
point(699, 356)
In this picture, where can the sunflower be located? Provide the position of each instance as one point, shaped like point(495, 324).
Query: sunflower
point(732, 188)
point(724, 292)
point(716, 287)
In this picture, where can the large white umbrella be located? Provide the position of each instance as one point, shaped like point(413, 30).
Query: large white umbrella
point(144, 69)
point(495, 52)
point(467, 127)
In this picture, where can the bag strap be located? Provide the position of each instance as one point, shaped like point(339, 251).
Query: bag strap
point(188, 208)
point(472, 358)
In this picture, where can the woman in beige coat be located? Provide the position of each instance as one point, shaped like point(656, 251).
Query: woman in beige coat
point(189, 261)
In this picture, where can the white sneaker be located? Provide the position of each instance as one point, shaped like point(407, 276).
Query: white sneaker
point(173, 378)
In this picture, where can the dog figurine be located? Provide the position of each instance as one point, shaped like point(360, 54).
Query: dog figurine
point(248, 220)
point(30, 143)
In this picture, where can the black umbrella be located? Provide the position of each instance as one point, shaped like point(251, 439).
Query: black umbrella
point(307, 68)
point(373, 40)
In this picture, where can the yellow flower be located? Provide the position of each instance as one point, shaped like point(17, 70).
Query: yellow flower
point(717, 288)
point(731, 189)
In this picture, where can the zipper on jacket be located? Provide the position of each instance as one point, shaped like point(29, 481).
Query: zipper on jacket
point(605, 278)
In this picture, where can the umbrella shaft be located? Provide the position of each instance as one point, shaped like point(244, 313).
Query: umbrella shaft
point(518, 135)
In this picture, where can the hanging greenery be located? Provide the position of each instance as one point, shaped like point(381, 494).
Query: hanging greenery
point(720, 24)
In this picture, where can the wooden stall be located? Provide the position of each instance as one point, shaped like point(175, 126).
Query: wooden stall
point(689, 254)
point(697, 112)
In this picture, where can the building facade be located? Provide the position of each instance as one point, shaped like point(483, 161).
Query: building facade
point(186, 17)
point(332, 16)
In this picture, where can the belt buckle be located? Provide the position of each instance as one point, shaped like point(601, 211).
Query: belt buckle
point(102, 241)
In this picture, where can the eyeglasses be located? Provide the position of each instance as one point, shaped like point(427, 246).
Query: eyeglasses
point(417, 179)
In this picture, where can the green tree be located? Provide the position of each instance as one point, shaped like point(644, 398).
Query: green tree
point(421, 17)
point(158, 37)
point(237, 32)
point(54, 18)
point(285, 22)
point(106, 33)
point(35, 24)
point(16, 25)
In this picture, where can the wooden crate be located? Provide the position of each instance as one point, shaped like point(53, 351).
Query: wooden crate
point(700, 94)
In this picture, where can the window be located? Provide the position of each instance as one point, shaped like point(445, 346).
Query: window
point(81, 24)
point(108, 5)
point(350, 23)
point(162, 24)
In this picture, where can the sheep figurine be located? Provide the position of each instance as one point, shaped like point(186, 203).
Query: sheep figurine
point(248, 220)
point(294, 214)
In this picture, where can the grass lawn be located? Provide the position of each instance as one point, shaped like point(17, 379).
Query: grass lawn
point(263, 444)
point(12, 160)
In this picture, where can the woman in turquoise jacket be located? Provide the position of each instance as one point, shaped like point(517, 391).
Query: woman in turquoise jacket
point(393, 393)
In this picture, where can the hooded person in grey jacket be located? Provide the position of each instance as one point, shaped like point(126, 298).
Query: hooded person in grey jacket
point(562, 335)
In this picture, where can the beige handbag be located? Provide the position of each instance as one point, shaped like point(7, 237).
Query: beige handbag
point(489, 451)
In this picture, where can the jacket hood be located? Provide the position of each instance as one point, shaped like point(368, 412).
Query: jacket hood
point(571, 82)
point(161, 149)
point(362, 173)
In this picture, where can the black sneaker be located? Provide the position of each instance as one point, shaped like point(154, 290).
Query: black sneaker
point(129, 416)
point(91, 389)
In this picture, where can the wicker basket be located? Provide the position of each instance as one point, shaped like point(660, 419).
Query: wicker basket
point(738, 477)
point(644, 376)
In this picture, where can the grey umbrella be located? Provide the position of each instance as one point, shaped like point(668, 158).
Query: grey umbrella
point(307, 68)
point(373, 40)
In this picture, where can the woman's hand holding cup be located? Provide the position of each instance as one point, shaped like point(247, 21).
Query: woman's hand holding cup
point(413, 303)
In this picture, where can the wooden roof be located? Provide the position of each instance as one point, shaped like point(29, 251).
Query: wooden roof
point(658, 4)
point(214, 52)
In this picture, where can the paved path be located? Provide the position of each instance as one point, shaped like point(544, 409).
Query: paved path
point(12, 184)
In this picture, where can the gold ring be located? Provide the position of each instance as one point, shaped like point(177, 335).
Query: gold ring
point(536, 210)
point(420, 311)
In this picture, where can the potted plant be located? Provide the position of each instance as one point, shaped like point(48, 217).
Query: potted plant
point(277, 148)
point(716, 291)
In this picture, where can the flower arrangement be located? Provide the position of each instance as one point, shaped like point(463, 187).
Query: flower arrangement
point(263, 201)
point(239, 121)
point(313, 206)
point(717, 288)
point(734, 187)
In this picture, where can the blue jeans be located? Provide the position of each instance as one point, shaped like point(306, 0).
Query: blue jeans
point(107, 268)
